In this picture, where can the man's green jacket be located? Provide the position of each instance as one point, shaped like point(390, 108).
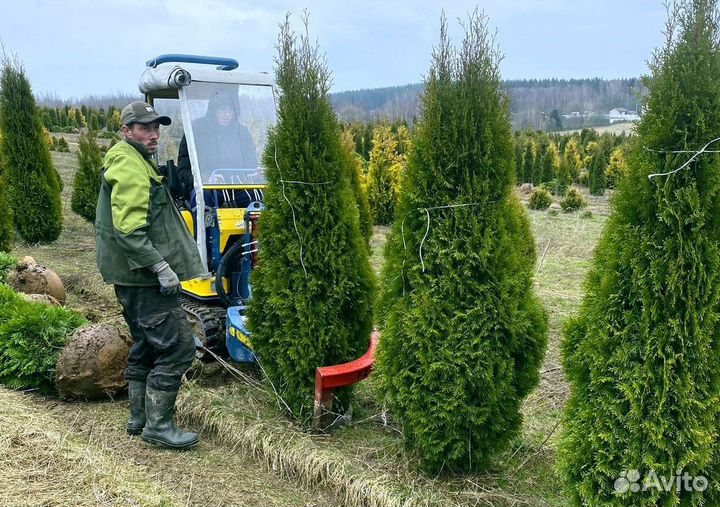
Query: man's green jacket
point(137, 223)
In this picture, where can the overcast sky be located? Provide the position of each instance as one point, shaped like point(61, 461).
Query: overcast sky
point(75, 48)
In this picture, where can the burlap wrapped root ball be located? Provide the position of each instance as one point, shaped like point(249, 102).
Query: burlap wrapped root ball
point(32, 278)
point(92, 364)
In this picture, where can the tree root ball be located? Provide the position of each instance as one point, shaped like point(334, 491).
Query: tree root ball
point(32, 278)
point(92, 364)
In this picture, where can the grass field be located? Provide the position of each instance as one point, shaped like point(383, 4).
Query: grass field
point(250, 454)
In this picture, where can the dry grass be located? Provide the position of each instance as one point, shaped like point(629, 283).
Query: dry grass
point(362, 464)
point(42, 463)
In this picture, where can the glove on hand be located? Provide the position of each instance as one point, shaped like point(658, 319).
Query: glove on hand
point(169, 281)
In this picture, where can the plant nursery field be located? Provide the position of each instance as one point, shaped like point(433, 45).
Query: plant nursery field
point(54, 452)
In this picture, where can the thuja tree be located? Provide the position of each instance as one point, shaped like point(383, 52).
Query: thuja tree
point(6, 221)
point(616, 168)
point(313, 288)
point(33, 183)
point(642, 354)
point(462, 333)
point(86, 182)
point(383, 178)
point(355, 168)
point(595, 161)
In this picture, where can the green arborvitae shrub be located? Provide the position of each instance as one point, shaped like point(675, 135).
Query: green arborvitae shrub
point(540, 199)
point(383, 178)
point(573, 158)
point(62, 145)
point(573, 201)
point(7, 262)
point(528, 162)
point(33, 183)
point(7, 232)
point(597, 160)
point(313, 288)
point(31, 338)
point(564, 177)
point(642, 356)
point(463, 335)
point(355, 167)
point(7, 297)
point(617, 167)
point(86, 182)
point(94, 122)
point(549, 162)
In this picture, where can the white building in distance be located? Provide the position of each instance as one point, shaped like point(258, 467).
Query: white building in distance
point(620, 114)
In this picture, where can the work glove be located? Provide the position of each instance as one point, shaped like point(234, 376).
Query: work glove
point(169, 281)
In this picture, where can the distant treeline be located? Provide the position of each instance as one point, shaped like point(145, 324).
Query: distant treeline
point(537, 104)
point(534, 103)
point(116, 100)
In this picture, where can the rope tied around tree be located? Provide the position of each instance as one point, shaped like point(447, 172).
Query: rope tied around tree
point(696, 153)
point(283, 181)
point(427, 229)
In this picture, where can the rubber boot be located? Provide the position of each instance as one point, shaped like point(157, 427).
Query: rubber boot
point(160, 425)
point(136, 396)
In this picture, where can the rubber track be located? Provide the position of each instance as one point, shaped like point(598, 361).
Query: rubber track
point(213, 323)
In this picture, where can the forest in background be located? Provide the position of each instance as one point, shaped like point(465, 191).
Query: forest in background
point(538, 104)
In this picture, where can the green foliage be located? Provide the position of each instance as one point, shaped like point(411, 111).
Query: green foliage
point(94, 122)
point(87, 179)
point(7, 296)
point(573, 158)
point(596, 162)
point(573, 201)
point(62, 145)
point(528, 161)
point(564, 178)
point(113, 122)
point(33, 183)
point(617, 167)
point(313, 289)
point(462, 333)
point(106, 134)
point(355, 167)
point(383, 178)
point(642, 356)
point(7, 262)
point(540, 199)
point(7, 232)
point(549, 162)
point(31, 338)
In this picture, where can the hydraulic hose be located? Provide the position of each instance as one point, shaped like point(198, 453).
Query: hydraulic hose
point(225, 263)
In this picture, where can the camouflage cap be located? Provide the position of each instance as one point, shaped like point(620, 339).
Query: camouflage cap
point(141, 112)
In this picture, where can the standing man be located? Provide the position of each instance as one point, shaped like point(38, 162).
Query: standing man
point(144, 249)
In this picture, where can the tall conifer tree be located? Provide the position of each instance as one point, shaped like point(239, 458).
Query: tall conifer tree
point(6, 219)
point(643, 354)
point(33, 183)
point(383, 178)
point(313, 288)
point(462, 333)
point(355, 167)
point(87, 179)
